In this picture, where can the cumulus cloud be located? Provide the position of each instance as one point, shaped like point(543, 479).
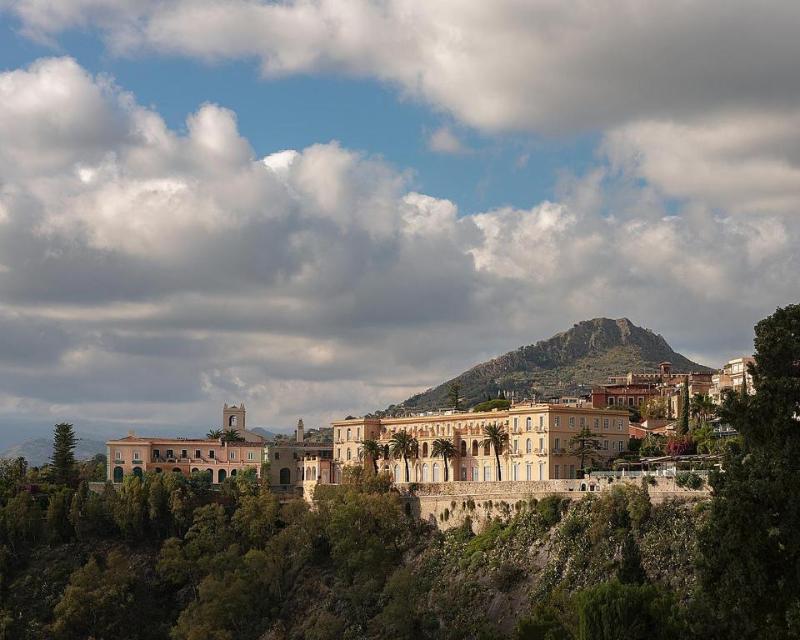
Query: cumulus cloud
point(443, 140)
point(546, 65)
point(171, 271)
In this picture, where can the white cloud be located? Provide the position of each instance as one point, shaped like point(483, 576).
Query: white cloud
point(173, 268)
point(544, 65)
point(443, 140)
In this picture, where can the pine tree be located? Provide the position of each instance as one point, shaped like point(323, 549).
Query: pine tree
point(64, 471)
point(683, 422)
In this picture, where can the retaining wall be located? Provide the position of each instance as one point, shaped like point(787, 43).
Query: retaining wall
point(448, 504)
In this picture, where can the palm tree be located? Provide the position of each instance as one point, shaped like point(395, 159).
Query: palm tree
point(701, 407)
point(445, 448)
point(374, 450)
point(495, 436)
point(404, 445)
point(214, 434)
point(232, 435)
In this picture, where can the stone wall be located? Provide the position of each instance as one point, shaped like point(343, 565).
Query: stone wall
point(448, 504)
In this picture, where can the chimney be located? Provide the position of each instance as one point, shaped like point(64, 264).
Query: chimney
point(300, 433)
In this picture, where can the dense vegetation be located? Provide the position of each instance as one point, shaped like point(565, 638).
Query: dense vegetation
point(168, 556)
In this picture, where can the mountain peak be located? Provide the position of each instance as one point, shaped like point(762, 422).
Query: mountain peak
point(568, 363)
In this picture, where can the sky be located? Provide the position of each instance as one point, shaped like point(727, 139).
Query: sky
point(318, 208)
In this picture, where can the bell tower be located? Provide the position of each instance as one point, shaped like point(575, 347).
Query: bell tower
point(233, 417)
point(300, 433)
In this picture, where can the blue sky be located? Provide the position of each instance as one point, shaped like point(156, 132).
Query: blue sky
point(291, 113)
point(463, 178)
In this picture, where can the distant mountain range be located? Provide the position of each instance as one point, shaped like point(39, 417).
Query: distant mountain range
point(569, 363)
point(37, 451)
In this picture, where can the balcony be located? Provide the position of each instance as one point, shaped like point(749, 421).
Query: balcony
point(559, 452)
point(137, 461)
point(540, 452)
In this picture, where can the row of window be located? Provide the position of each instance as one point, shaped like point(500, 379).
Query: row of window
point(623, 400)
point(169, 454)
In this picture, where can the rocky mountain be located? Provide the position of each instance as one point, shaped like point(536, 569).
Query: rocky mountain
point(568, 363)
point(37, 451)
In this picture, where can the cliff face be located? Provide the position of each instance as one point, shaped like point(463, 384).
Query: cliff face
point(569, 362)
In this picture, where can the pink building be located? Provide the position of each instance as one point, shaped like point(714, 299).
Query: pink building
point(135, 455)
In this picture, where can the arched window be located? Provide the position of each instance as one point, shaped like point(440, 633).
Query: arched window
point(137, 471)
point(425, 472)
point(397, 476)
point(514, 471)
point(528, 445)
point(529, 471)
point(528, 423)
point(348, 433)
point(474, 447)
point(233, 473)
point(475, 473)
point(463, 448)
point(285, 476)
point(117, 474)
point(176, 470)
point(232, 421)
point(487, 449)
point(194, 470)
point(463, 472)
point(436, 472)
point(487, 473)
point(222, 475)
point(424, 449)
point(313, 473)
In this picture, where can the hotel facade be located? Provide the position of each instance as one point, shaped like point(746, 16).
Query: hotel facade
point(538, 446)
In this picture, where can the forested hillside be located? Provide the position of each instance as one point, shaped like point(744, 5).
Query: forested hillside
point(569, 362)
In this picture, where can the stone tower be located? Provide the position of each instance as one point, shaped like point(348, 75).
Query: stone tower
point(300, 433)
point(233, 417)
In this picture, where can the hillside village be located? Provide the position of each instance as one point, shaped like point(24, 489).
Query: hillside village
point(660, 422)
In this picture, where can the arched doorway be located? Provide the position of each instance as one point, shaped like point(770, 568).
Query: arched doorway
point(137, 471)
point(158, 469)
point(285, 476)
point(463, 448)
point(117, 474)
point(233, 473)
point(222, 475)
point(194, 470)
point(210, 475)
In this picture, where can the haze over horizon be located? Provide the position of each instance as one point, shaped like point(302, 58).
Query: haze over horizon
point(320, 208)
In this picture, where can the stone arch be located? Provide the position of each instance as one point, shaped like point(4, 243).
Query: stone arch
point(137, 471)
point(474, 448)
point(176, 470)
point(159, 469)
point(285, 476)
point(463, 448)
point(210, 476)
point(233, 473)
point(118, 473)
point(424, 449)
point(222, 475)
point(195, 470)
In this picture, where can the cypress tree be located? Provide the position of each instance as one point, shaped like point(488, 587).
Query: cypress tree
point(63, 471)
point(683, 422)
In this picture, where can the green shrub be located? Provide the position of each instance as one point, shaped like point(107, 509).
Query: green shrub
point(549, 509)
point(689, 480)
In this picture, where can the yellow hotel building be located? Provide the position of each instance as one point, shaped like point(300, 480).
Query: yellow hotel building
point(537, 449)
